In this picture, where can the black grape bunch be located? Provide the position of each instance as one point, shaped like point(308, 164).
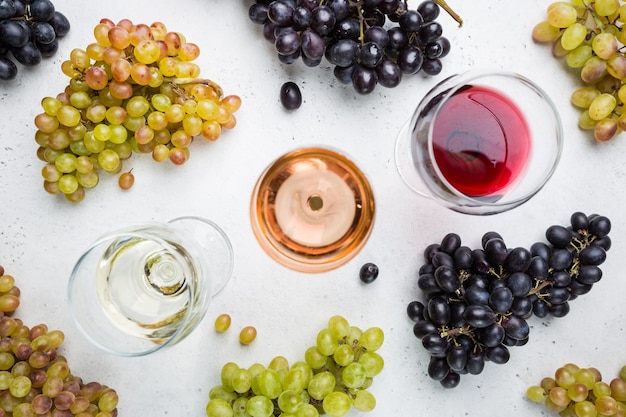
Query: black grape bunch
point(478, 301)
point(368, 42)
point(29, 31)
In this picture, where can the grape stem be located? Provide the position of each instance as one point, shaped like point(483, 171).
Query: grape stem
point(177, 82)
point(448, 9)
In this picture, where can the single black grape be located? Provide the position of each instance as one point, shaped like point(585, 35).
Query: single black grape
point(579, 221)
point(434, 343)
point(411, 21)
point(287, 43)
point(479, 315)
point(410, 59)
point(463, 258)
point(476, 295)
point(364, 79)
point(475, 363)
point(389, 73)
point(498, 354)
point(368, 273)
point(559, 236)
point(301, 18)
point(341, 8)
point(600, 226)
point(43, 32)
point(60, 23)
point(312, 44)
point(438, 368)
point(280, 12)
point(415, 311)
point(491, 335)
point(589, 274)
point(429, 10)
point(447, 279)
point(370, 54)
point(42, 10)
point(258, 13)
point(8, 69)
point(451, 380)
point(7, 9)
point(433, 50)
point(27, 55)
point(378, 35)
point(438, 310)
point(560, 259)
point(445, 46)
point(519, 283)
point(323, 20)
point(344, 74)
point(501, 299)
point(290, 96)
point(398, 39)
point(48, 49)
point(430, 32)
point(348, 28)
point(515, 327)
point(456, 358)
point(14, 33)
point(290, 58)
point(518, 260)
point(496, 251)
point(592, 255)
point(424, 327)
point(450, 243)
point(432, 66)
point(443, 258)
point(343, 53)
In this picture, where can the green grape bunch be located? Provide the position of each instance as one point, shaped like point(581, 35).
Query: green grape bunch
point(135, 89)
point(589, 35)
point(333, 377)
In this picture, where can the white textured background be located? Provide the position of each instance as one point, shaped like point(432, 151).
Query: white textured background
point(41, 236)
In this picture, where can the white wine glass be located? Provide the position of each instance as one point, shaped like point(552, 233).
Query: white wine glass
point(145, 287)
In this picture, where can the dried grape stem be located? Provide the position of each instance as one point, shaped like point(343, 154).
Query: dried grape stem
point(448, 9)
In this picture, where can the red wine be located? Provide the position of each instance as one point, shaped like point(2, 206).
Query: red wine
point(481, 141)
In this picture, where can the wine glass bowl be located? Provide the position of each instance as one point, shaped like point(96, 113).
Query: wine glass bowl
point(139, 289)
point(312, 210)
point(481, 142)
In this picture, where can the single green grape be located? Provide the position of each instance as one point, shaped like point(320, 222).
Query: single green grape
point(259, 406)
point(326, 342)
point(372, 338)
point(578, 392)
point(219, 408)
point(562, 15)
point(239, 407)
point(270, 384)
point(279, 362)
point(314, 358)
point(353, 375)
point(573, 36)
point(222, 322)
point(5, 379)
point(295, 380)
point(579, 56)
point(364, 400)
point(20, 386)
point(221, 393)
point(339, 327)
point(289, 401)
point(372, 362)
point(585, 409)
point(337, 404)
point(343, 355)
point(322, 384)
point(241, 380)
point(226, 375)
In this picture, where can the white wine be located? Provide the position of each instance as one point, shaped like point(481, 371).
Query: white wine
point(146, 286)
point(137, 290)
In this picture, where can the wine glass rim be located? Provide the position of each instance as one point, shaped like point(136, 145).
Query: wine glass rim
point(461, 80)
